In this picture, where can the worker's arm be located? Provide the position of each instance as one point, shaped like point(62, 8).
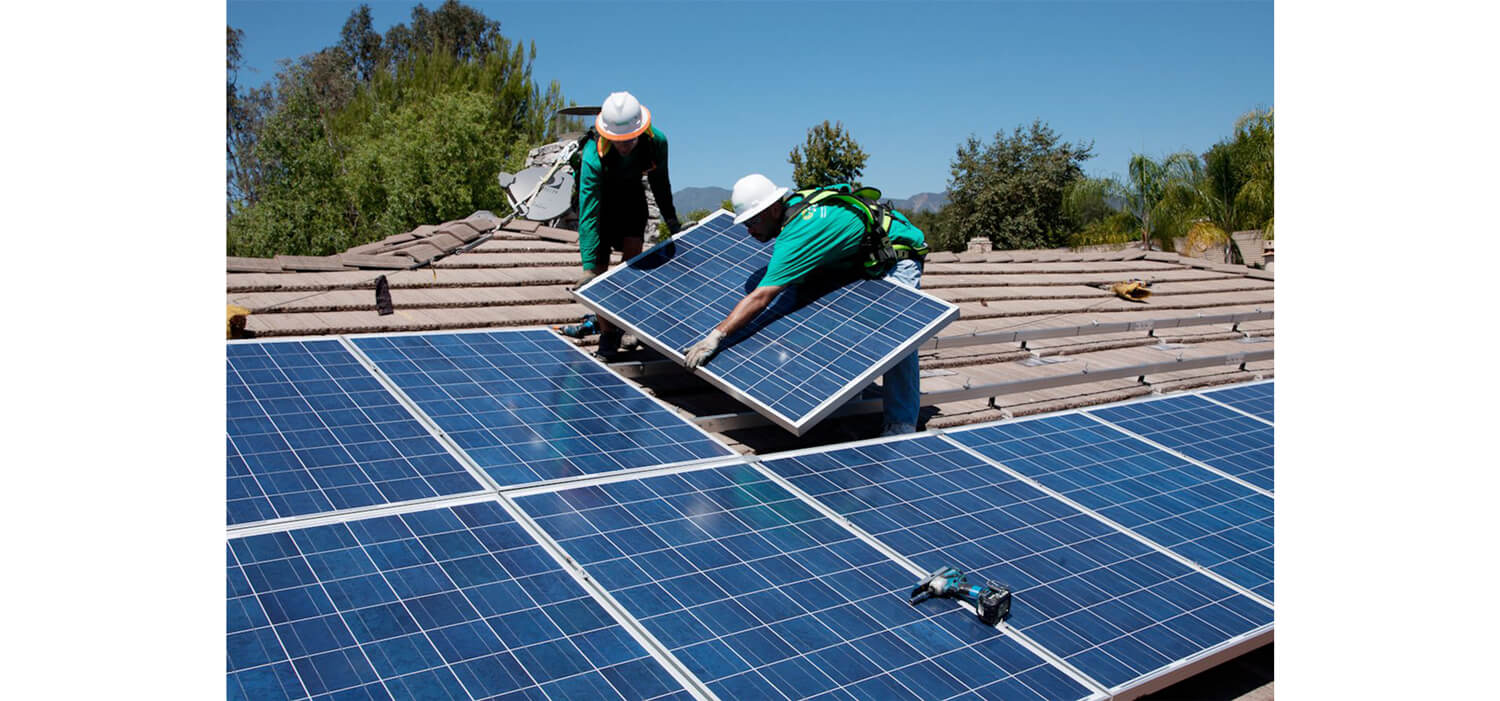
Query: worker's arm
point(748, 307)
point(588, 206)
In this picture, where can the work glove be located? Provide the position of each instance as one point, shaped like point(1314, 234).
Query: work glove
point(673, 226)
point(584, 279)
point(705, 349)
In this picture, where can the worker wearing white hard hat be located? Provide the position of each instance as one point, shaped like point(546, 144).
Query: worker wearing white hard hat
point(612, 209)
point(817, 236)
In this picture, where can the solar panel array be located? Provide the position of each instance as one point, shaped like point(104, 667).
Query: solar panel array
point(454, 602)
point(528, 405)
point(761, 596)
point(1221, 437)
point(647, 576)
point(1118, 610)
point(1257, 398)
point(310, 430)
point(1215, 522)
point(801, 358)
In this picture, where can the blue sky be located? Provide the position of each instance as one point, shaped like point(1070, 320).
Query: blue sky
point(736, 85)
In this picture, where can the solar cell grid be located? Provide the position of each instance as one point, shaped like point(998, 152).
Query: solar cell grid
point(453, 602)
point(760, 596)
point(310, 430)
point(1217, 436)
point(1115, 608)
point(1258, 399)
point(1196, 513)
point(809, 351)
point(528, 406)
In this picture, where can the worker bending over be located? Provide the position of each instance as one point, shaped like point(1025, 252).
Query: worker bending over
point(828, 227)
point(612, 210)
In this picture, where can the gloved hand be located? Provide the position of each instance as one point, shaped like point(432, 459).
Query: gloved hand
point(705, 349)
point(673, 226)
point(584, 279)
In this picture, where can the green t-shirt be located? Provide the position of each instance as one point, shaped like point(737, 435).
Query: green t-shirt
point(826, 234)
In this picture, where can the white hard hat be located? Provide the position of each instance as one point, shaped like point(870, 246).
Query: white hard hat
point(622, 117)
point(752, 194)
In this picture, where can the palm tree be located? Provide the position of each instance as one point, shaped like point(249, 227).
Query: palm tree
point(1155, 195)
point(1233, 190)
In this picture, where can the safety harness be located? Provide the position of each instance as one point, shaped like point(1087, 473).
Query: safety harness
point(876, 249)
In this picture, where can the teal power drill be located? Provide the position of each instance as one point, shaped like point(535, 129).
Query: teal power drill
point(991, 601)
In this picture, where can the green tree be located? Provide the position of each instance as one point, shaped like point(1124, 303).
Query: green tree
point(1089, 211)
point(1158, 196)
point(829, 156)
point(361, 43)
point(245, 111)
point(350, 155)
point(1011, 191)
point(1233, 192)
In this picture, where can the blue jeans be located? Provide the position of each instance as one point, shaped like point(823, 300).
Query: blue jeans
point(903, 388)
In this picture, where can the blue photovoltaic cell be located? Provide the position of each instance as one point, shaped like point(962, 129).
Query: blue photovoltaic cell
point(1115, 608)
point(1197, 513)
point(529, 406)
point(762, 597)
point(1258, 399)
point(1220, 437)
point(311, 430)
point(799, 360)
point(448, 603)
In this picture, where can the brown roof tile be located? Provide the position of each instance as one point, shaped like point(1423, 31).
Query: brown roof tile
point(252, 265)
point(309, 263)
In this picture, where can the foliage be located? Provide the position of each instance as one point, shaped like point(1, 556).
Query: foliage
point(1091, 216)
point(829, 156)
point(1236, 186)
point(1158, 197)
point(1010, 191)
point(373, 137)
point(245, 111)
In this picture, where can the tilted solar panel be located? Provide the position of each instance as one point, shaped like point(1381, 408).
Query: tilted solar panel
point(1258, 398)
point(1116, 609)
point(310, 430)
point(527, 405)
point(809, 351)
point(1196, 513)
point(761, 596)
point(1202, 430)
point(448, 603)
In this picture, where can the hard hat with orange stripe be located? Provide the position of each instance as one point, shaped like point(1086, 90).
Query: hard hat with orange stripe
point(622, 117)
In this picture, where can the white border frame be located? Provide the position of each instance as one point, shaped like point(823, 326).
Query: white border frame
point(797, 426)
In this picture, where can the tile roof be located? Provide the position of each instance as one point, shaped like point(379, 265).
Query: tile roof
point(518, 275)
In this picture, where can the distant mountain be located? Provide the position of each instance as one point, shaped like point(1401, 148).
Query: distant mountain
point(691, 198)
point(922, 202)
point(709, 198)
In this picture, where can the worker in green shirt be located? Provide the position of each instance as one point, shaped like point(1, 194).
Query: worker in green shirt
point(612, 211)
point(817, 236)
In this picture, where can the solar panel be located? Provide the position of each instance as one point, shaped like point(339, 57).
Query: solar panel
point(1119, 611)
point(1196, 513)
point(527, 406)
point(1258, 398)
point(310, 430)
point(1202, 430)
point(761, 596)
point(446, 603)
point(808, 353)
